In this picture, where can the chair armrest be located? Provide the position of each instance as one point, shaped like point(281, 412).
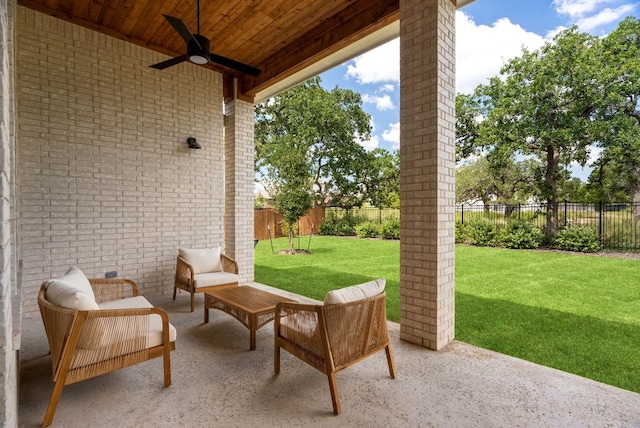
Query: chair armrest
point(228, 264)
point(184, 271)
point(108, 289)
point(300, 317)
point(106, 333)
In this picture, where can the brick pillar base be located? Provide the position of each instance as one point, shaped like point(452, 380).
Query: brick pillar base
point(427, 171)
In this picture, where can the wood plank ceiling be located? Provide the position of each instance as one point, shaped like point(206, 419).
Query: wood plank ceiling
point(281, 37)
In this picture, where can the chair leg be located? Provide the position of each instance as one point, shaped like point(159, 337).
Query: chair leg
point(167, 366)
point(392, 364)
point(53, 401)
point(174, 291)
point(193, 304)
point(333, 387)
point(276, 358)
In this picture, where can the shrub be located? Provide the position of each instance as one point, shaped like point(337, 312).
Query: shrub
point(343, 228)
point(521, 235)
point(327, 227)
point(577, 238)
point(390, 229)
point(482, 232)
point(367, 229)
point(462, 233)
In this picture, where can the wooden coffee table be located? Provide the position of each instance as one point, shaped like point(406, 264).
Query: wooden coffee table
point(251, 306)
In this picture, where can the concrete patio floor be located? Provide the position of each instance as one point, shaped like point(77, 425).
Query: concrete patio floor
point(217, 381)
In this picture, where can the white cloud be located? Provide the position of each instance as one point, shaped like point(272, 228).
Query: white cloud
point(387, 88)
point(370, 144)
point(482, 50)
point(382, 102)
point(577, 8)
point(381, 64)
point(392, 135)
point(604, 17)
point(480, 53)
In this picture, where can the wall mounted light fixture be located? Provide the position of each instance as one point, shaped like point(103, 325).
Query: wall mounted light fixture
point(193, 144)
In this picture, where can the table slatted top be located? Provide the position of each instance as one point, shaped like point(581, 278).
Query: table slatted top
point(249, 299)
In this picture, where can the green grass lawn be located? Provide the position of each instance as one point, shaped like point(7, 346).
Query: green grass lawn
point(576, 313)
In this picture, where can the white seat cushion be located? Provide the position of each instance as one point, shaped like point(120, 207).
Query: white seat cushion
point(202, 259)
point(355, 292)
point(154, 337)
point(214, 278)
point(71, 291)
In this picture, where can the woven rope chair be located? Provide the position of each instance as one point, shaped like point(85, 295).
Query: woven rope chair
point(333, 337)
point(185, 278)
point(86, 344)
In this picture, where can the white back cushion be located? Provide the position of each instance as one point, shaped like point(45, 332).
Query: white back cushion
point(202, 259)
point(355, 292)
point(72, 291)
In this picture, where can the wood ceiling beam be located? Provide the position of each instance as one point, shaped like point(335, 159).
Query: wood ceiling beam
point(360, 19)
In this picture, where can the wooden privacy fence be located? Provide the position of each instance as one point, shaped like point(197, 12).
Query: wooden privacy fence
point(266, 220)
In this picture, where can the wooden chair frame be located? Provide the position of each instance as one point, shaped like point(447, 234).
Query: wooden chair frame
point(124, 330)
point(331, 338)
point(185, 280)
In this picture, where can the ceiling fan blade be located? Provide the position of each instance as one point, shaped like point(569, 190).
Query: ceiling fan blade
point(227, 62)
point(168, 63)
point(182, 29)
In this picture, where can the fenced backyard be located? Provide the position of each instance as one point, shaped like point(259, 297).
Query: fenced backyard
point(613, 223)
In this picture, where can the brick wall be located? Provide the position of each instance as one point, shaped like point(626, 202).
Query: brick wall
point(9, 294)
point(106, 181)
point(427, 171)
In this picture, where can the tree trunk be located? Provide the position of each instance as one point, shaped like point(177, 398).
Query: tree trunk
point(291, 249)
point(550, 179)
point(635, 194)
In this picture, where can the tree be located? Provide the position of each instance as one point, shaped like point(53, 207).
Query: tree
point(618, 113)
point(383, 179)
point(468, 115)
point(507, 182)
point(543, 107)
point(327, 127)
point(291, 191)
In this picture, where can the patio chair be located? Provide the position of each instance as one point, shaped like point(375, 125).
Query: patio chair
point(351, 325)
point(95, 326)
point(200, 270)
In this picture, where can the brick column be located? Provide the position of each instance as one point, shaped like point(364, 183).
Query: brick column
point(10, 297)
point(239, 178)
point(427, 171)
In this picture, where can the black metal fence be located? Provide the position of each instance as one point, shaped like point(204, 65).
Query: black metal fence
point(614, 223)
point(357, 215)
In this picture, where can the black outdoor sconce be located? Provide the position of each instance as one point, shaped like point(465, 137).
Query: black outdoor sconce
point(193, 144)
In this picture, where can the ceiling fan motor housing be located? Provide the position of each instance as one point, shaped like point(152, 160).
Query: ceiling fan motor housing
point(199, 54)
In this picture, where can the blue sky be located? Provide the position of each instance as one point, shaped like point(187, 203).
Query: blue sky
point(489, 33)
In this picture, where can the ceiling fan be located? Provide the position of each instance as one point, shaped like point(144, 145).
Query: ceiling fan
point(198, 49)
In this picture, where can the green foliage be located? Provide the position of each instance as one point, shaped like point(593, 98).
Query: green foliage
point(495, 179)
point(326, 127)
point(520, 235)
point(482, 232)
point(390, 229)
point(462, 233)
point(335, 226)
point(577, 238)
point(538, 105)
point(344, 228)
point(367, 229)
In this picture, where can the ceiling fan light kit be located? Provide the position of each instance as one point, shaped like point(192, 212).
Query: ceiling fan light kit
point(198, 52)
